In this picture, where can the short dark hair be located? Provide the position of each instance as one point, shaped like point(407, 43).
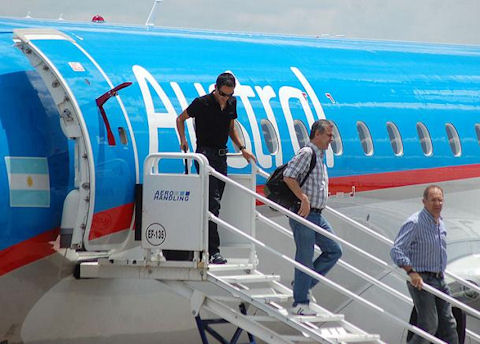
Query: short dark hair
point(225, 79)
point(320, 125)
point(428, 188)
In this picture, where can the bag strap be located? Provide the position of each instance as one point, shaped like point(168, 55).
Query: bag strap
point(313, 162)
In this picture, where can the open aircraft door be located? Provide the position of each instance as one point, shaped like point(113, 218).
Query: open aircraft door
point(98, 211)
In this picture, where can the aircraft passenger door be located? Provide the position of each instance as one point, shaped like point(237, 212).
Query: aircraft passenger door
point(100, 208)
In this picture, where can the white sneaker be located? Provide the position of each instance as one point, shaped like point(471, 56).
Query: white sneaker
point(303, 309)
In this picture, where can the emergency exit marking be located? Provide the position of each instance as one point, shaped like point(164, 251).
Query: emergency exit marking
point(155, 234)
point(76, 66)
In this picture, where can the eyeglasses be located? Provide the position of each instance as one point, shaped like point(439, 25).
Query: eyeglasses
point(223, 94)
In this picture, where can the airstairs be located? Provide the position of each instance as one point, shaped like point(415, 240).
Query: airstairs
point(237, 292)
point(246, 298)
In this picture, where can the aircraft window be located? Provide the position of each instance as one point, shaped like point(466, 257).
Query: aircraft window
point(336, 144)
point(301, 132)
point(365, 138)
point(425, 140)
point(269, 135)
point(453, 139)
point(477, 130)
point(123, 135)
point(395, 138)
point(241, 136)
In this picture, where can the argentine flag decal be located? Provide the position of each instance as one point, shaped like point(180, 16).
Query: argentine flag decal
point(29, 181)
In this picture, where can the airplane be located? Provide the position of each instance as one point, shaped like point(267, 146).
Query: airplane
point(83, 105)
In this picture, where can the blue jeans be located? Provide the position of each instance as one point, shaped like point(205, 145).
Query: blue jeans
point(305, 239)
point(433, 313)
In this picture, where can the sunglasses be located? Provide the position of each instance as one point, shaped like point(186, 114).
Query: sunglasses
point(223, 94)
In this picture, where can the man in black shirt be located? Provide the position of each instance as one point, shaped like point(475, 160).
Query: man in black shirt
point(214, 116)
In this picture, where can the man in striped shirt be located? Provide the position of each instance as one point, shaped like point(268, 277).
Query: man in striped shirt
point(421, 250)
point(313, 197)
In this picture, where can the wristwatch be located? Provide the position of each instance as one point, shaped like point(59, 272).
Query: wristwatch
point(241, 148)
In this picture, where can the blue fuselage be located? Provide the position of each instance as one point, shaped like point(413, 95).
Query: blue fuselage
point(287, 81)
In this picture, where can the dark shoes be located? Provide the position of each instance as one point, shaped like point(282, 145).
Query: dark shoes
point(217, 258)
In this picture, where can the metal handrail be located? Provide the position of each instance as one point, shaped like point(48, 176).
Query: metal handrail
point(340, 262)
point(358, 272)
point(427, 287)
point(385, 240)
point(297, 218)
point(325, 280)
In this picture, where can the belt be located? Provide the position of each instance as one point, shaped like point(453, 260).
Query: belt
point(217, 151)
point(316, 210)
point(432, 274)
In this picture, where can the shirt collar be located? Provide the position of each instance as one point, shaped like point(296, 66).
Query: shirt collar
point(317, 150)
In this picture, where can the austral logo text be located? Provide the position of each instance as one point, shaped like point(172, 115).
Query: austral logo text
point(171, 195)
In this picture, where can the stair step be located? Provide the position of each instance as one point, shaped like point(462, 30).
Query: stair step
point(319, 318)
point(303, 319)
point(333, 332)
point(268, 294)
point(250, 278)
point(262, 318)
point(226, 298)
point(232, 265)
point(298, 339)
point(272, 297)
point(342, 336)
point(267, 297)
point(235, 246)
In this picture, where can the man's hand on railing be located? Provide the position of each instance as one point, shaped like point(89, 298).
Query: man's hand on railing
point(416, 280)
point(183, 145)
point(304, 206)
point(248, 155)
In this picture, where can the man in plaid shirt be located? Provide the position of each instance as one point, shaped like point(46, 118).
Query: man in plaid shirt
point(313, 198)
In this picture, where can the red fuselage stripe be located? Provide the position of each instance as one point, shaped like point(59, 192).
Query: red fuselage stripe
point(377, 181)
point(27, 251)
point(111, 221)
point(119, 218)
point(384, 180)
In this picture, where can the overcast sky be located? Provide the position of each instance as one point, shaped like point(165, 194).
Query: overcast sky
point(451, 21)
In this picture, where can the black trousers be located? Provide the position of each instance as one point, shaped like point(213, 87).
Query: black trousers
point(215, 193)
point(460, 317)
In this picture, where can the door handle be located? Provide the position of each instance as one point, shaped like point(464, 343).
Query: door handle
point(102, 100)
